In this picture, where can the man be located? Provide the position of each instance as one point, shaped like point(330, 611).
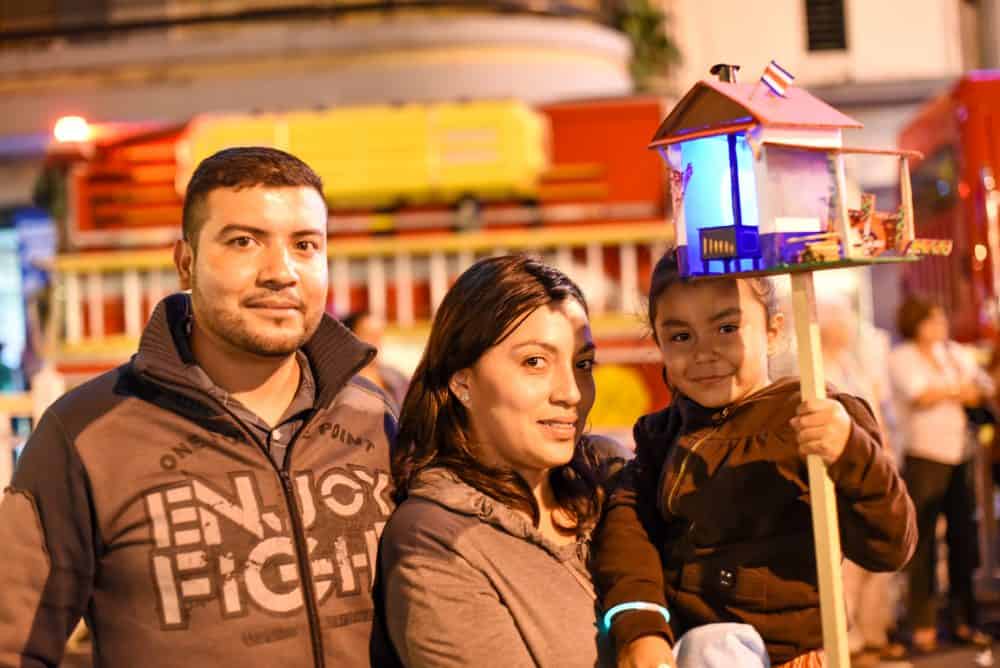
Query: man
point(218, 500)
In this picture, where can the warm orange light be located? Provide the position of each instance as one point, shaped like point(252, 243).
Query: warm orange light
point(980, 252)
point(72, 129)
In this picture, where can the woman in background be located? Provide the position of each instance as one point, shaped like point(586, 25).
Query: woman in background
point(933, 380)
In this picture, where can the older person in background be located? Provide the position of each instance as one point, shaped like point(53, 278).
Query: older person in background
point(934, 380)
point(871, 597)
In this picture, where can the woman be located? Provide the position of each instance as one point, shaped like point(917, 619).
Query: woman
point(933, 381)
point(484, 560)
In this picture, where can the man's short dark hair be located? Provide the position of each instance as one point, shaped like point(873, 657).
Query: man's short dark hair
point(238, 168)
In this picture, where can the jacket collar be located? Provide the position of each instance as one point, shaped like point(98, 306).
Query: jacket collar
point(684, 415)
point(164, 355)
point(446, 489)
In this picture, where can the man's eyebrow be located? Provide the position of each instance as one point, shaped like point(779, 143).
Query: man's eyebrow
point(242, 227)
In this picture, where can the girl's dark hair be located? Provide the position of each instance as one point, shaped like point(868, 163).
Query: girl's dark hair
point(667, 273)
point(913, 311)
point(484, 306)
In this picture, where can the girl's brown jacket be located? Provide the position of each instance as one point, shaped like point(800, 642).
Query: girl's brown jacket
point(712, 519)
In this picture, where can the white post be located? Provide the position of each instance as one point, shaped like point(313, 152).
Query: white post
point(155, 290)
point(132, 290)
point(629, 278)
point(74, 317)
point(376, 287)
point(438, 278)
point(95, 305)
point(340, 269)
point(822, 497)
point(404, 289)
point(595, 268)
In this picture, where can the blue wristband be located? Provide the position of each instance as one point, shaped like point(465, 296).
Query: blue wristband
point(632, 605)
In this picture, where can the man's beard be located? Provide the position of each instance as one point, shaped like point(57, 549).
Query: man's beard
point(234, 330)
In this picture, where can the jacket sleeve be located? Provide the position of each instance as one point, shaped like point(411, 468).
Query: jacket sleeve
point(49, 561)
point(626, 561)
point(878, 528)
point(456, 621)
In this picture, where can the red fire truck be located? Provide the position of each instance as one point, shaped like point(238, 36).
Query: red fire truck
point(955, 195)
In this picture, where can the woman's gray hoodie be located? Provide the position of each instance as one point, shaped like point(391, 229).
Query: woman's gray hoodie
point(470, 582)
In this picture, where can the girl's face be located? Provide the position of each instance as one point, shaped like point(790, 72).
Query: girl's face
point(714, 337)
point(528, 397)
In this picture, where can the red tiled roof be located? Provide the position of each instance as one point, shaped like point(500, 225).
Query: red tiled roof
point(715, 105)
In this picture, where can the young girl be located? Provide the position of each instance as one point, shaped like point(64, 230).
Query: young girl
point(711, 521)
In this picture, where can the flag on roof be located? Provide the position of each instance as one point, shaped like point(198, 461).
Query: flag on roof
point(776, 78)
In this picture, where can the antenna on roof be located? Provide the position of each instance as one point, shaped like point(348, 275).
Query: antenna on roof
point(725, 72)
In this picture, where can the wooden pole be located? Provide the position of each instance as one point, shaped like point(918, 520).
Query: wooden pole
point(823, 499)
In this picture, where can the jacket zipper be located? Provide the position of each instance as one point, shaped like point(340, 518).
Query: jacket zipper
point(305, 568)
point(684, 462)
point(298, 531)
point(298, 536)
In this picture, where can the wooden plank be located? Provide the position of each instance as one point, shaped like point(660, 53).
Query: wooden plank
point(823, 499)
point(855, 150)
point(906, 197)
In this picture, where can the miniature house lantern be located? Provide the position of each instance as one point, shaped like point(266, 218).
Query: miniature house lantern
point(758, 184)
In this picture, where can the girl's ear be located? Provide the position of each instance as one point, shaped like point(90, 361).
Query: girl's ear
point(775, 334)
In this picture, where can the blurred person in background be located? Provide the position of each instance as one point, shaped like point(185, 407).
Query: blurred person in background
point(870, 596)
point(934, 380)
point(370, 328)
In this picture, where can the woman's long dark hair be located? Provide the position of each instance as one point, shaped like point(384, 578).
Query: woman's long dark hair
point(484, 306)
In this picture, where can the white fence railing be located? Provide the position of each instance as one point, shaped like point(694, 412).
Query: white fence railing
point(105, 298)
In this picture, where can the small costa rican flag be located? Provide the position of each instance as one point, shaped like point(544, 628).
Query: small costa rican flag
point(776, 78)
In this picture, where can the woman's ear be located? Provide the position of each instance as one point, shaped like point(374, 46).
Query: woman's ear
point(459, 385)
point(775, 334)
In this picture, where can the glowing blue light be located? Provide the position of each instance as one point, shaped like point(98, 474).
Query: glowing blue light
point(708, 197)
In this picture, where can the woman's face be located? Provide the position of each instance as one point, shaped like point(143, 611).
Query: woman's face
point(933, 328)
point(528, 397)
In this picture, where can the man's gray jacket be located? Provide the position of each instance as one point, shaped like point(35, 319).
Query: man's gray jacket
point(143, 504)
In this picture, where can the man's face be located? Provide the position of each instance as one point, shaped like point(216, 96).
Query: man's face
point(259, 277)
